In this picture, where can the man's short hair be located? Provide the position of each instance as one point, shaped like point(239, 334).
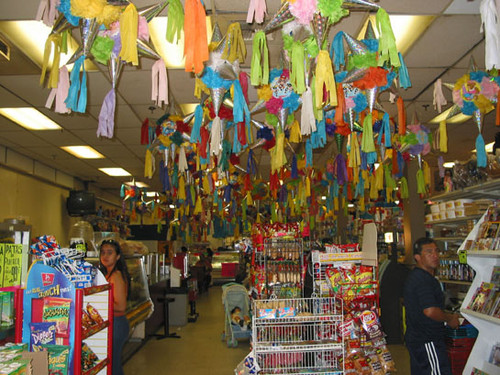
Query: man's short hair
point(417, 246)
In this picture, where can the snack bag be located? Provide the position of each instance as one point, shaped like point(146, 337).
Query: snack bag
point(386, 359)
point(58, 359)
point(94, 314)
point(89, 358)
point(364, 275)
point(375, 365)
point(335, 278)
point(41, 334)
point(87, 321)
point(358, 359)
point(57, 310)
point(370, 323)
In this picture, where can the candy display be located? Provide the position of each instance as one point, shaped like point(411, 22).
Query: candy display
point(41, 334)
point(57, 310)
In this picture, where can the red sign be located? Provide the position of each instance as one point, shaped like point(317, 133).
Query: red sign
point(47, 279)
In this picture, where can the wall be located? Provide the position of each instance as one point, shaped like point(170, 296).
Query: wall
point(41, 204)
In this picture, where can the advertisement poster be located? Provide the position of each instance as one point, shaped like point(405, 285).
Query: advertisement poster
point(50, 296)
point(11, 256)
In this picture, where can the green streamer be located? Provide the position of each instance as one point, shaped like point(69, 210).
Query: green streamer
point(387, 42)
point(297, 74)
point(421, 182)
point(175, 20)
point(367, 143)
point(259, 73)
point(365, 60)
point(311, 47)
point(389, 181)
point(101, 49)
point(404, 188)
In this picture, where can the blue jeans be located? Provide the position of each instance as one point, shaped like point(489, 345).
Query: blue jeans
point(121, 330)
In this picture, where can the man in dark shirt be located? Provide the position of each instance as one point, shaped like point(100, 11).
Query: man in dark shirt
point(425, 315)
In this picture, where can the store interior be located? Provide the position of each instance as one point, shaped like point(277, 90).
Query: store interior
point(291, 163)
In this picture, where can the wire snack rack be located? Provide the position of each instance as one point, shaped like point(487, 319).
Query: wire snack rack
point(299, 335)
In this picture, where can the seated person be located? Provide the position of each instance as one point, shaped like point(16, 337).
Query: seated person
point(237, 321)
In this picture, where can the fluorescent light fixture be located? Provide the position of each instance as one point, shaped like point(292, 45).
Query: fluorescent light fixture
point(488, 147)
point(115, 172)
point(350, 205)
point(171, 206)
point(449, 164)
point(83, 152)
point(151, 194)
point(30, 37)
point(407, 29)
point(457, 119)
point(323, 198)
point(29, 118)
point(388, 237)
point(172, 53)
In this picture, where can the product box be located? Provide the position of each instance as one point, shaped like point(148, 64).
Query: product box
point(7, 302)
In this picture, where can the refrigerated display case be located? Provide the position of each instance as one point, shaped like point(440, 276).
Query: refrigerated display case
point(139, 305)
point(225, 264)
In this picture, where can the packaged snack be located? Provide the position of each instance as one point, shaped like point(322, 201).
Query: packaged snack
point(89, 358)
point(375, 365)
point(359, 361)
point(41, 334)
point(87, 321)
point(7, 302)
point(286, 312)
point(58, 359)
point(386, 359)
point(266, 313)
point(370, 323)
point(94, 314)
point(57, 310)
point(364, 274)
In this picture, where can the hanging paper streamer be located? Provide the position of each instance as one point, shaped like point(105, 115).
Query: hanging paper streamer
point(198, 119)
point(73, 101)
point(215, 136)
point(297, 74)
point(438, 97)
point(481, 152)
point(195, 36)
point(257, 9)
point(159, 90)
point(233, 45)
point(404, 188)
point(443, 137)
point(307, 120)
point(107, 115)
point(367, 143)
point(149, 165)
point(325, 78)
point(401, 116)
point(55, 40)
point(421, 189)
point(385, 131)
point(175, 20)
point(387, 42)
point(489, 23)
point(60, 93)
point(128, 34)
point(404, 77)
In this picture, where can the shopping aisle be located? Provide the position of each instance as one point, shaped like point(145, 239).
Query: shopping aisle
point(201, 351)
point(198, 351)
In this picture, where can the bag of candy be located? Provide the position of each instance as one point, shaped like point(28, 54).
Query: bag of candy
point(58, 359)
point(42, 333)
point(57, 310)
point(94, 314)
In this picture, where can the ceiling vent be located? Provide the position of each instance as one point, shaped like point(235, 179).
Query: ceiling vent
point(4, 50)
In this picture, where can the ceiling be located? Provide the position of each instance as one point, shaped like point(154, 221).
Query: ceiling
point(442, 51)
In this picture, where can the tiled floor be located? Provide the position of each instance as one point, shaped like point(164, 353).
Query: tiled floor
point(200, 349)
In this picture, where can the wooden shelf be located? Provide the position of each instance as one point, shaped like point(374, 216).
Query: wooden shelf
point(94, 370)
point(459, 282)
point(489, 189)
point(454, 221)
point(94, 329)
point(479, 315)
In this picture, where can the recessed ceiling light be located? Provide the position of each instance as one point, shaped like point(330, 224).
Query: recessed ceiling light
point(407, 29)
point(488, 147)
point(151, 193)
point(115, 172)
point(323, 198)
point(138, 184)
point(29, 118)
point(172, 53)
point(83, 152)
point(350, 205)
point(30, 37)
point(449, 164)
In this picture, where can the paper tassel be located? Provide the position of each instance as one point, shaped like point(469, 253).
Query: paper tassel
point(337, 50)
point(295, 136)
point(324, 77)
point(60, 93)
point(385, 131)
point(354, 154)
point(404, 77)
point(234, 45)
point(367, 143)
point(55, 40)
point(198, 119)
point(297, 74)
point(443, 137)
point(438, 97)
point(159, 90)
point(307, 120)
point(47, 12)
point(73, 102)
point(387, 42)
point(181, 191)
point(175, 20)
point(421, 189)
point(183, 166)
point(403, 189)
point(490, 25)
point(145, 132)
point(481, 152)
point(379, 178)
point(215, 136)
point(278, 157)
point(128, 34)
point(195, 36)
point(401, 116)
point(106, 125)
point(149, 165)
point(240, 107)
point(257, 9)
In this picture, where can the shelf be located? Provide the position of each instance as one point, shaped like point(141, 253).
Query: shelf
point(489, 189)
point(479, 315)
point(94, 370)
point(446, 281)
point(260, 348)
point(94, 329)
point(449, 238)
point(96, 289)
point(484, 253)
point(455, 220)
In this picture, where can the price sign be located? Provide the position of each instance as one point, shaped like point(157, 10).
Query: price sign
point(462, 256)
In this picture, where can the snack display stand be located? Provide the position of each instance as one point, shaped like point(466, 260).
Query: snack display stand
point(46, 282)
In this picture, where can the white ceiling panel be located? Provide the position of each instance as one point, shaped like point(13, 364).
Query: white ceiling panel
point(414, 7)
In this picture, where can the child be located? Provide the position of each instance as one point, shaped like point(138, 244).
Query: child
point(237, 321)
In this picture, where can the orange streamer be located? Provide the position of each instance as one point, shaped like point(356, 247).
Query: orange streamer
point(195, 36)
point(339, 111)
point(401, 116)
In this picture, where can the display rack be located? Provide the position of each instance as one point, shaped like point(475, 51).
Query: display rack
point(281, 262)
point(299, 335)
